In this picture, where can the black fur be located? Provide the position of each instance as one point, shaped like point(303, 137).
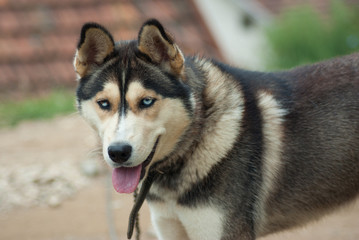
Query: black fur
point(158, 25)
point(88, 26)
point(319, 153)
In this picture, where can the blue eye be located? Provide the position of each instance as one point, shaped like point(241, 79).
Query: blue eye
point(104, 104)
point(147, 102)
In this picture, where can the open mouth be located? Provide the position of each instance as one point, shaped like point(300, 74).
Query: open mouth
point(126, 179)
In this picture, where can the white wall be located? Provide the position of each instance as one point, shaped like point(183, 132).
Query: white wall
point(240, 46)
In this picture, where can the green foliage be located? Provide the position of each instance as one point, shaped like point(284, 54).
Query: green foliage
point(301, 36)
point(58, 102)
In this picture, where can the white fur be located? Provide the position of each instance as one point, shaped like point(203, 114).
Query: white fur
point(121, 129)
point(175, 222)
point(78, 77)
point(128, 131)
point(272, 117)
point(109, 127)
point(220, 130)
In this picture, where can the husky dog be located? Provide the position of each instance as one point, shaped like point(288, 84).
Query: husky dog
point(238, 154)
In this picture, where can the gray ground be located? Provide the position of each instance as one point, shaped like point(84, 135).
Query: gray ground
point(53, 187)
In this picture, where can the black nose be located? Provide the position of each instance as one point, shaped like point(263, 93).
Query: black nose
point(119, 152)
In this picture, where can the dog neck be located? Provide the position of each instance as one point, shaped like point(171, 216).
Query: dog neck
point(217, 114)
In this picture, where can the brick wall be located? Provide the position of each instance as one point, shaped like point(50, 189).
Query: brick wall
point(38, 37)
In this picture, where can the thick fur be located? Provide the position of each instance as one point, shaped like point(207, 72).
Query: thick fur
point(240, 154)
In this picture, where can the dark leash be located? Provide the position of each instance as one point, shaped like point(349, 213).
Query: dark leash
point(139, 199)
point(137, 218)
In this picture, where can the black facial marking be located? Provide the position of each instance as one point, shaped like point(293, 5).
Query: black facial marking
point(127, 71)
point(90, 85)
point(122, 105)
point(164, 84)
point(129, 67)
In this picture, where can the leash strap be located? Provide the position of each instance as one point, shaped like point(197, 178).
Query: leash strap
point(139, 199)
point(137, 220)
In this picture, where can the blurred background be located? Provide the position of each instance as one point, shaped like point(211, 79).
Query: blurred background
point(52, 184)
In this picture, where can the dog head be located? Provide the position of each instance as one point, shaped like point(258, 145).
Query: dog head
point(133, 93)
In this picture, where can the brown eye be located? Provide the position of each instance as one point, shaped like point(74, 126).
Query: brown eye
point(104, 104)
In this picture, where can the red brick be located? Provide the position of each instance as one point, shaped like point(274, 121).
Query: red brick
point(39, 37)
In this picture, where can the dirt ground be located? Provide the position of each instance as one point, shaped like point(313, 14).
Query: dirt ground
point(53, 188)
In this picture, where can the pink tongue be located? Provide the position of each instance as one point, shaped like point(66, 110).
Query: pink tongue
point(125, 180)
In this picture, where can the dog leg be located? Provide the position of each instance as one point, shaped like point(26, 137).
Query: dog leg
point(169, 229)
point(205, 223)
point(166, 223)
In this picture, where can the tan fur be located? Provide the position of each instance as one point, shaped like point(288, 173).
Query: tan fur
point(110, 92)
point(104, 122)
point(80, 67)
point(175, 122)
point(219, 132)
point(135, 94)
point(272, 117)
point(93, 51)
point(160, 50)
point(231, 143)
point(94, 114)
point(158, 120)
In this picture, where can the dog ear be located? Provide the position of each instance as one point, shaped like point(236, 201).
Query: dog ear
point(95, 44)
point(158, 46)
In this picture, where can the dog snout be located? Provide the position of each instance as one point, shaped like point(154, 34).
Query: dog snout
point(119, 152)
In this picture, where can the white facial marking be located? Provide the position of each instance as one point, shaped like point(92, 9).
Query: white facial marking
point(109, 127)
point(135, 127)
point(121, 131)
point(90, 115)
point(138, 127)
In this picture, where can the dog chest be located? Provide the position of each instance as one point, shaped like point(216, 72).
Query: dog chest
point(200, 222)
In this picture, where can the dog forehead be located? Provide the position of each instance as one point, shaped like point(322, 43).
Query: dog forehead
point(129, 68)
point(136, 90)
point(126, 68)
point(110, 90)
point(92, 84)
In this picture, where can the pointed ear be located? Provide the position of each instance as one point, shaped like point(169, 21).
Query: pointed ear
point(95, 44)
point(158, 45)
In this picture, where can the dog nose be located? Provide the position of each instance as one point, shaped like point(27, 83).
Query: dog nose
point(119, 152)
